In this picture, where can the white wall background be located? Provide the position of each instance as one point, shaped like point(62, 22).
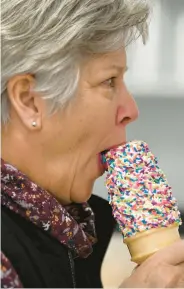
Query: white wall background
point(157, 69)
point(156, 78)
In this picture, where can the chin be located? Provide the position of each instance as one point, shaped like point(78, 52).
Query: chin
point(83, 192)
point(83, 186)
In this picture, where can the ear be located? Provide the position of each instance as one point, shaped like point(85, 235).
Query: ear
point(27, 104)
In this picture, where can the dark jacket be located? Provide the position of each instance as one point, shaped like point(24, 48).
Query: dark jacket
point(41, 261)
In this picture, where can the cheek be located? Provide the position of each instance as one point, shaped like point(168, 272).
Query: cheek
point(105, 118)
point(95, 125)
point(94, 119)
point(52, 133)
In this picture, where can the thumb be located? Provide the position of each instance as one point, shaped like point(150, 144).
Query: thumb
point(172, 254)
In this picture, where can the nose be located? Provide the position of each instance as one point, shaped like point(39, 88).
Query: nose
point(132, 109)
point(127, 110)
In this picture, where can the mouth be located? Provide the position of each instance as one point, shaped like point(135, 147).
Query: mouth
point(102, 162)
point(115, 146)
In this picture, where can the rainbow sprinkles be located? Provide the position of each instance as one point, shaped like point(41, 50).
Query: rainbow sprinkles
point(138, 190)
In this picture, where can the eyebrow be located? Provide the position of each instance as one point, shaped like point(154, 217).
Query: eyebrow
point(119, 68)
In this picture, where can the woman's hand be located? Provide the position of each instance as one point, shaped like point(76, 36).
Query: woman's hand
point(165, 269)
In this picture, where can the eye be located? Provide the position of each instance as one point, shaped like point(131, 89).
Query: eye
point(110, 82)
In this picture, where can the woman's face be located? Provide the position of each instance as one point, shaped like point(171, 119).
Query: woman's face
point(68, 144)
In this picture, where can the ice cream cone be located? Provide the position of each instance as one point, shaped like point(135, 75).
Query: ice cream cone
point(141, 199)
point(146, 243)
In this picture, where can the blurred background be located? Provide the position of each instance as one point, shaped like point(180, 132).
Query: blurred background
point(156, 79)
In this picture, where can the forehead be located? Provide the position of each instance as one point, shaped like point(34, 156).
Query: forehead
point(105, 62)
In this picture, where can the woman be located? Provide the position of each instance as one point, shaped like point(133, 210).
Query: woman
point(64, 102)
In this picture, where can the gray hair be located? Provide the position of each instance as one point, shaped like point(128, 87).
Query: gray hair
point(49, 38)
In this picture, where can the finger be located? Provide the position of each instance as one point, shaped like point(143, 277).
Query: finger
point(180, 283)
point(173, 254)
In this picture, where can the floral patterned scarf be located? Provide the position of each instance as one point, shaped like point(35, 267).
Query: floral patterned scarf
point(72, 225)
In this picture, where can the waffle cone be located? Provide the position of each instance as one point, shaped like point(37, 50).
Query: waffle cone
point(146, 243)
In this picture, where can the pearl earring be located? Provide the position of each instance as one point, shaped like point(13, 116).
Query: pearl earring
point(34, 123)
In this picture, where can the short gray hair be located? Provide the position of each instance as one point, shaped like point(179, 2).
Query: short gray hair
point(48, 39)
